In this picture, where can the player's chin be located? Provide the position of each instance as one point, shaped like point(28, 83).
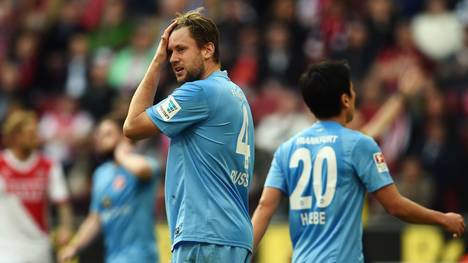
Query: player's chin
point(180, 78)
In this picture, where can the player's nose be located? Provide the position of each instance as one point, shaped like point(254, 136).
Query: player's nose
point(173, 58)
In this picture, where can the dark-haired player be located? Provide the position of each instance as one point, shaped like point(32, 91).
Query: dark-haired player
point(326, 171)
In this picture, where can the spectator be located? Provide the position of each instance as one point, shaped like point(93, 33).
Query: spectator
point(77, 67)
point(64, 128)
point(356, 51)
point(286, 121)
point(129, 65)
point(277, 59)
point(99, 95)
point(438, 33)
point(115, 29)
point(414, 182)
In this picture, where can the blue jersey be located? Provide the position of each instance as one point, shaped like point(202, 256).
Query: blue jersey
point(325, 171)
point(125, 206)
point(210, 161)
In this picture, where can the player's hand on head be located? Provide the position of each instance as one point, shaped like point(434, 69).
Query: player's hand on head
point(454, 224)
point(161, 52)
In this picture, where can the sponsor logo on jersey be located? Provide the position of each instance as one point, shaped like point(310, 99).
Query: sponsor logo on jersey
point(168, 108)
point(379, 161)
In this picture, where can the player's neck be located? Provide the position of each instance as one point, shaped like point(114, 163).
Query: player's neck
point(339, 119)
point(210, 67)
point(21, 154)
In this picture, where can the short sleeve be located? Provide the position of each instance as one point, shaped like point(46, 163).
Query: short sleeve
point(370, 165)
point(94, 206)
point(57, 188)
point(184, 107)
point(276, 178)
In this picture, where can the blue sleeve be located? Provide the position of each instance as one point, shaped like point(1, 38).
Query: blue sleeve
point(276, 178)
point(370, 165)
point(95, 207)
point(186, 106)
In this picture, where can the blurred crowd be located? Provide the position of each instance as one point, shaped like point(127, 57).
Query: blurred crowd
point(75, 61)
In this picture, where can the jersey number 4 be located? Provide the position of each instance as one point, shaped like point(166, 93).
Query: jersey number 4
point(243, 146)
point(296, 200)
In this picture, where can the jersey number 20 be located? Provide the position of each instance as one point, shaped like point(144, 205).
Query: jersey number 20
point(296, 200)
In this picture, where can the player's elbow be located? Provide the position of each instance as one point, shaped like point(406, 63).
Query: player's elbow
point(266, 206)
point(130, 131)
point(127, 130)
point(393, 211)
point(262, 204)
point(396, 209)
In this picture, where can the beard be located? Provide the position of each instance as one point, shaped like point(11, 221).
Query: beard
point(193, 73)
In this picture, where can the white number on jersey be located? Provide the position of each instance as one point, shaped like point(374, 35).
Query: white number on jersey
point(243, 146)
point(296, 200)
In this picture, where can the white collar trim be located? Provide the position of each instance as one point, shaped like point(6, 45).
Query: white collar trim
point(22, 166)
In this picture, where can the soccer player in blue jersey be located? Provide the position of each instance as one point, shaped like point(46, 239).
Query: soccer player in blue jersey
point(326, 171)
point(122, 204)
point(211, 155)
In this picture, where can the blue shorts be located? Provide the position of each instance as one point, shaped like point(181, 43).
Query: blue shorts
point(195, 252)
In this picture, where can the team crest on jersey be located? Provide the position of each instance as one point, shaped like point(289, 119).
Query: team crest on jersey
point(119, 183)
point(168, 108)
point(379, 161)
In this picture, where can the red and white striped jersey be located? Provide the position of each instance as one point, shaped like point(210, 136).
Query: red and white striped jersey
point(34, 182)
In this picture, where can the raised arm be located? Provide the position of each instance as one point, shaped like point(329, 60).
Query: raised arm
point(137, 164)
point(137, 124)
point(409, 83)
point(409, 211)
point(86, 233)
point(267, 206)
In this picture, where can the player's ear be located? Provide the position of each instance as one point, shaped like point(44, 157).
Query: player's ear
point(345, 100)
point(208, 50)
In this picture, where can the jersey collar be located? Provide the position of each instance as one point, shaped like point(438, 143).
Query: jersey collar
point(19, 165)
point(219, 73)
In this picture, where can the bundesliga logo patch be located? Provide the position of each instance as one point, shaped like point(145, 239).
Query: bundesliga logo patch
point(380, 162)
point(168, 108)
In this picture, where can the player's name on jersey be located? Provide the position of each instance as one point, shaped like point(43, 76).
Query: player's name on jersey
point(237, 93)
point(317, 140)
point(313, 218)
point(240, 178)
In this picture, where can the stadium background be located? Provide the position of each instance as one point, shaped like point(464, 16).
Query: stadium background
point(74, 61)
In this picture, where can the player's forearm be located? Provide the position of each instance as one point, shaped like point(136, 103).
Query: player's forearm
point(412, 212)
point(267, 206)
point(260, 221)
point(65, 216)
point(87, 232)
point(144, 94)
point(384, 117)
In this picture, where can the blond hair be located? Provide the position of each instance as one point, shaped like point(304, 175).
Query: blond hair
point(202, 29)
point(16, 120)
